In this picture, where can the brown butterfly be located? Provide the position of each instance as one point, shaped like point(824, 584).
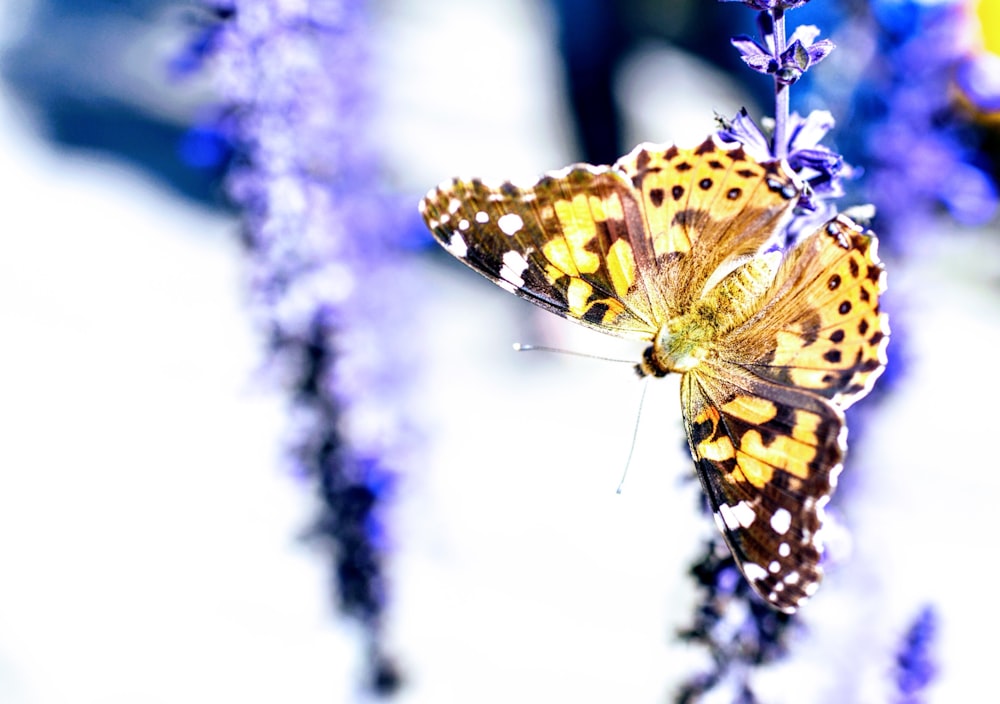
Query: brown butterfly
point(677, 247)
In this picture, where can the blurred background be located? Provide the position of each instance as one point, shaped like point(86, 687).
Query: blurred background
point(263, 441)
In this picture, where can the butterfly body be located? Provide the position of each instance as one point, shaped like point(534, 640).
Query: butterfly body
point(686, 341)
point(679, 248)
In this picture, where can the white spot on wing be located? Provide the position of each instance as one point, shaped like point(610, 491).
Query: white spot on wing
point(784, 550)
point(729, 517)
point(774, 567)
point(781, 521)
point(753, 571)
point(456, 245)
point(744, 514)
point(511, 223)
point(482, 218)
point(514, 265)
point(463, 224)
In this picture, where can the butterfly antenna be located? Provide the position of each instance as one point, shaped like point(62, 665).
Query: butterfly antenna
point(635, 433)
point(518, 347)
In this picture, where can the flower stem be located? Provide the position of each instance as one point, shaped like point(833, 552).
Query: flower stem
point(779, 143)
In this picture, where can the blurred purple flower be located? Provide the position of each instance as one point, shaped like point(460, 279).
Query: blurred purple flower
point(921, 156)
point(915, 666)
point(323, 259)
point(737, 628)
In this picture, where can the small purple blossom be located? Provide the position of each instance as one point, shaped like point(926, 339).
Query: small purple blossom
point(820, 170)
point(815, 163)
point(787, 64)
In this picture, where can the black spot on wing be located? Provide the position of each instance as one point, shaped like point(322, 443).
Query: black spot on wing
point(595, 313)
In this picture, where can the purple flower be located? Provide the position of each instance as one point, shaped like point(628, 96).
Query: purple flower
point(787, 65)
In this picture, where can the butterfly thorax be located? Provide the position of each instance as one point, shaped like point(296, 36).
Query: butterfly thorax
point(729, 298)
point(680, 345)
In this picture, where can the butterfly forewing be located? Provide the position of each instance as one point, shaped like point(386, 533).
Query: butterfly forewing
point(564, 243)
point(703, 207)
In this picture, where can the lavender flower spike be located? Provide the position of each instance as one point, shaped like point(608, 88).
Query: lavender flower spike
point(786, 66)
point(294, 101)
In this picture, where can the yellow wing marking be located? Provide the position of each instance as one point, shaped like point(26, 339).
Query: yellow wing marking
point(578, 292)
point(752, 409)
point(621, 266)
point(606, 208)
point(784, 452)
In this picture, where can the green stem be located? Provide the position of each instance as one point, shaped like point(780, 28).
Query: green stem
point(779, 144)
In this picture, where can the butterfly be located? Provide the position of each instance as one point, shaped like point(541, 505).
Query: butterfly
point(683, 249)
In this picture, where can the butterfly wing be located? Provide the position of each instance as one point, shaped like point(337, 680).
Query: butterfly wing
point(820, 327)
point(705, 209)
point(565, 243)
point(768, 457)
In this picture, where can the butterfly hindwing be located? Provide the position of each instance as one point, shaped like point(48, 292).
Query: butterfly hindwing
point(768, 457)
point(820, 327)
